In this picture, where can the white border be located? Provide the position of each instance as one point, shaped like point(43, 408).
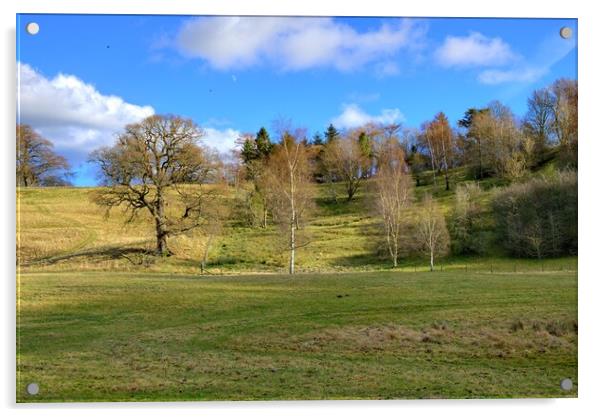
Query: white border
point(590, 278)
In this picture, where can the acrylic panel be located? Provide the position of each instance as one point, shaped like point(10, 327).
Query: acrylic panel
point(295, 208)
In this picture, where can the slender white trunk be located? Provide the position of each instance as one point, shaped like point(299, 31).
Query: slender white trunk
point(291, 268)
point(432, 260)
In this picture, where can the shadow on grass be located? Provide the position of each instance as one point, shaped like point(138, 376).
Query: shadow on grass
point(107, 252)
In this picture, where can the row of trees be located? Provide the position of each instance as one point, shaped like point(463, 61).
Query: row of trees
point(159, 167)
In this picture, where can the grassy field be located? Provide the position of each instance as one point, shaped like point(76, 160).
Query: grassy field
point(99, 336)
point(98, 320)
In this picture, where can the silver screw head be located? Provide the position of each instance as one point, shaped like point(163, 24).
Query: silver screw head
point(32, 28)
point(566, 384)
point(566, 32)
point(33, 388)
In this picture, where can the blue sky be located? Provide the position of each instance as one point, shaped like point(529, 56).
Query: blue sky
point(83, 77)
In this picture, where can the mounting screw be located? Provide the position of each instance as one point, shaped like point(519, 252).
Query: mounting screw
point(33, 388)
point(32, 28)
point(566, 384)
point(566, 32)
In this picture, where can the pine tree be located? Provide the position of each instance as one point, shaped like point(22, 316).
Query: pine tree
point(317, 139)
point(331, 133)
point(263, 143)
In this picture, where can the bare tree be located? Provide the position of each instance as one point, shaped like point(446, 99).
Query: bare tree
point(432, 230)
point(37, 163)
point(502, 143)
point(393, 190)
point(565, 123)
point(345, 160)
point(151, 161)
point(538, 121)
point(438, 137)
point(216, 213)
point(288, 179)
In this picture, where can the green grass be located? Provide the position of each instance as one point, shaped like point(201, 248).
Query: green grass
point(99, 336)
point(93, 326)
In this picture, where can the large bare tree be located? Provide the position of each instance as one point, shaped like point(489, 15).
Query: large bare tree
point(37, 163)
point(153, 161)
point(289, 183)
point(393, 192)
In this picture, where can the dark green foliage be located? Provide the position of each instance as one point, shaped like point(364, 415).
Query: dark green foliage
point(263, 144)
point(331, 133)
point(317, 139)
point(538, 218)
point(258, 148)
point(365, 144)
point(248, 152)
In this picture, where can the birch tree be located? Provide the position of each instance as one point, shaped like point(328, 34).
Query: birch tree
point(393, 189)
point(289, 182)
point(432, 230)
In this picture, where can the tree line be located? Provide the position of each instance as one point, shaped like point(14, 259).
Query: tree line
point(159, 166)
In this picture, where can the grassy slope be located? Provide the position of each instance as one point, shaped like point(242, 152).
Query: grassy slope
point(99, 336)
point(61, 230)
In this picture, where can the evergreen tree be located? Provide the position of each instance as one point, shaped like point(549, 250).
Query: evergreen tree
point(331, 133)
point(263, 143)
point(317, 139)
point(248, 152)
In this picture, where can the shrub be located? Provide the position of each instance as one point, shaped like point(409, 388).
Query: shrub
point(538, 218)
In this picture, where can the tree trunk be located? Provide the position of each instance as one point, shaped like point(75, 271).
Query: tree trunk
point(432, 261)
point(206, 254)
point(291, 267)
point(161, 239)
point(350, 193)
point(445, 168)
point(160, 226)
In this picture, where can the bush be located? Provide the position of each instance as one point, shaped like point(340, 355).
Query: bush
point(538, 219)
point(465, 228)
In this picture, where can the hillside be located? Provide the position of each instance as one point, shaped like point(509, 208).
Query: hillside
point(61, 229)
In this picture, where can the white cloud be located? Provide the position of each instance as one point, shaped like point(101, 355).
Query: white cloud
point(77, 118)
point(474, 50)
point(353, 116)
point(221, 140)
point(551, 50)
point(293, 43)
point(525, 75)
point(74, 115)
